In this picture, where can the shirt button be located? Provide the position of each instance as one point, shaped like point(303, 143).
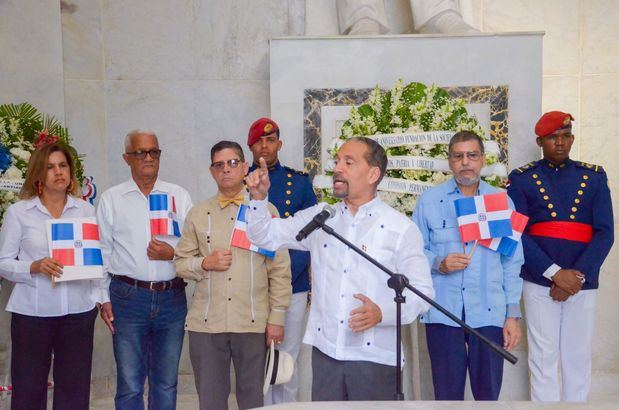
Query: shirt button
point(462, 288)
point(341, 321)
point(229, 299)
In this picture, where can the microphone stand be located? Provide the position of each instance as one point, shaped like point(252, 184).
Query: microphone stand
point(398, 282)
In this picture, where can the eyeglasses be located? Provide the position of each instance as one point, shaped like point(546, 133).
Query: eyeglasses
point(232, 163)
point(470, 155)
point(154, 154)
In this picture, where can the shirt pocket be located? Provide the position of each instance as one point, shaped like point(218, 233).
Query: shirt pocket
point(444, 233)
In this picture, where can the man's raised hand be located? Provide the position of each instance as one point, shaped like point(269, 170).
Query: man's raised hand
point(258, 182)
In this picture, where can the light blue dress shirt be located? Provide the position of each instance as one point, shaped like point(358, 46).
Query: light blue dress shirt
point(488, 290)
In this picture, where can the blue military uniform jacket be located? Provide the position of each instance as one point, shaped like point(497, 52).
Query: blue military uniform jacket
point(291, 191)
point(570, 218)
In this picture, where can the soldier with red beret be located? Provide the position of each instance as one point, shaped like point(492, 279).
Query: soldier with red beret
point(569, 234)
point(290, 191)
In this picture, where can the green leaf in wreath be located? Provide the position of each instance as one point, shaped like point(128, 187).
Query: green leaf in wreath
point(366, 111)
point(413, 93)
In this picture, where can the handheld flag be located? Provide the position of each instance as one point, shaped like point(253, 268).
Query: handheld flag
point(239, 235)
point(507, 245)
point(75, 244)
point(483, 217)
point(163, 219)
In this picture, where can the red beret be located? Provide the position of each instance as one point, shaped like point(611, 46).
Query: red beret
point(260, 128)
point(552, 121)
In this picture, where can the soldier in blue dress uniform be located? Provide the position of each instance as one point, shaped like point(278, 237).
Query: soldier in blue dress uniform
point(290, 191)
point(569, 234)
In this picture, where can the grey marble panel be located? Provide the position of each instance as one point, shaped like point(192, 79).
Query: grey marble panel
point(82, 39)
point(231, 38)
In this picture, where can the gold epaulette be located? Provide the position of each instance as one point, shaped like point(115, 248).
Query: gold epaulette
point(526, 167)
point(296, 171)
point(592, 167)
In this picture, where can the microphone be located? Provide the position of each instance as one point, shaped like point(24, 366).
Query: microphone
point(327, 212)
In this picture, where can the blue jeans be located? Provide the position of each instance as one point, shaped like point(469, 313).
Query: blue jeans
point(148, 339)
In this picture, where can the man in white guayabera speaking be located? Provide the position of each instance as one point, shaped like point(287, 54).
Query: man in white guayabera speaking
point(352, 317)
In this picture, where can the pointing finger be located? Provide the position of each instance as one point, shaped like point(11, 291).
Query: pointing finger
point(263, 164)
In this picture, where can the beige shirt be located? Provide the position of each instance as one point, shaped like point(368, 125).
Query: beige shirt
point(253, 292)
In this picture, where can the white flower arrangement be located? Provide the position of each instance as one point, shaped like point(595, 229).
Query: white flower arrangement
point(22, 128)
point(411, 110)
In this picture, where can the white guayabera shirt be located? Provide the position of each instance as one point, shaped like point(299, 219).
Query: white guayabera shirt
point(338, 273)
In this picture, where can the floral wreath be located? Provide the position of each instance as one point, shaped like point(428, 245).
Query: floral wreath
point(414, 124)
point(22, 130)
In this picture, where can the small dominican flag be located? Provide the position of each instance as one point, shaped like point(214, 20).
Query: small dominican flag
point(239, 235)
point(75, 243)
point(483, 217)
point(163, 219)
point(507, 245)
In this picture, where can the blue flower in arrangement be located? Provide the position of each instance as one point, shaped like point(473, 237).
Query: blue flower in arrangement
point(5, 158)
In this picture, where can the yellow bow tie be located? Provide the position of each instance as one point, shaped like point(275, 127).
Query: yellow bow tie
point(224, 202)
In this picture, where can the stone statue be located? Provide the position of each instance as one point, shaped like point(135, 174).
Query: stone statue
point(368, 17)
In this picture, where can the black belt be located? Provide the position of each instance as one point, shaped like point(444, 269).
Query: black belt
point(176, 283)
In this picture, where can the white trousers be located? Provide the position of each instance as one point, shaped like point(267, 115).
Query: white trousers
point(559, 331)
point(293, 334)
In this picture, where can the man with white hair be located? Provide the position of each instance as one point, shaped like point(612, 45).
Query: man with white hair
point(144, 305)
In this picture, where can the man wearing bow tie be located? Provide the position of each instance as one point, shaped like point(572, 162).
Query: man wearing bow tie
point(241, 296)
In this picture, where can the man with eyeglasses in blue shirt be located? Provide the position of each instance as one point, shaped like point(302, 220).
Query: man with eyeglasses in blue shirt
point(483, 287)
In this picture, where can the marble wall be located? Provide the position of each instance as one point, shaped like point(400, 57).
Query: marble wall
point(197, 71)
